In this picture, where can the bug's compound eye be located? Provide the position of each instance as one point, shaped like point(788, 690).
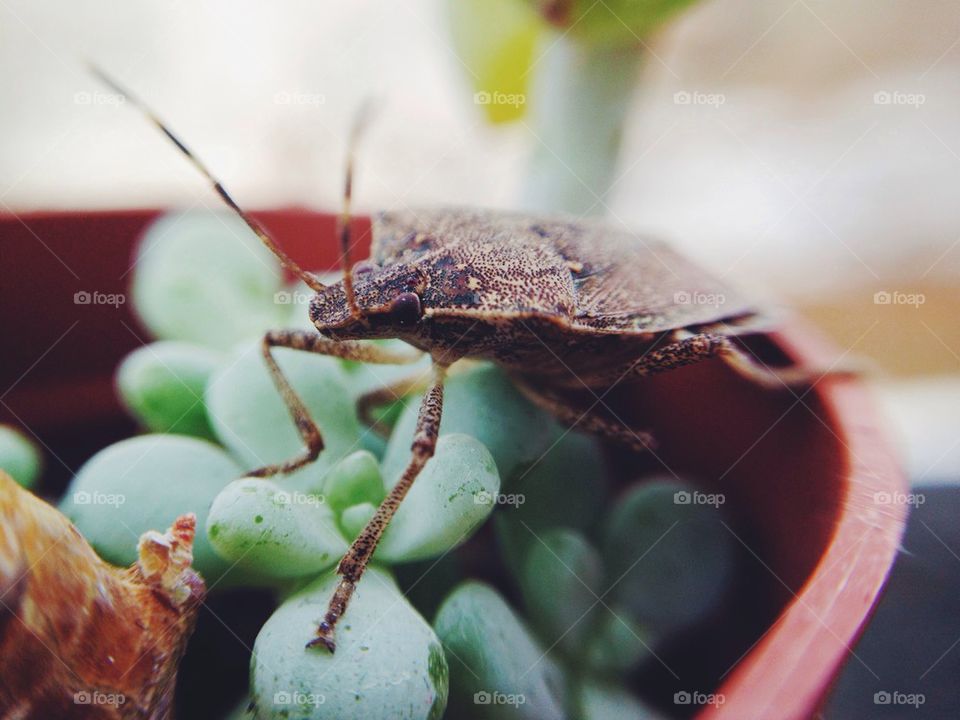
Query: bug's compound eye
point(406, 309)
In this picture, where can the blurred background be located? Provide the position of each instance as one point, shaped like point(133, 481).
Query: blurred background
point(808, 150)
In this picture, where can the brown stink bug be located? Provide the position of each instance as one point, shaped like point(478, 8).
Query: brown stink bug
point(559, 303)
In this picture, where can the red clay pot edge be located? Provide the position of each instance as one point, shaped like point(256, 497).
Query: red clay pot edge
point(814, 635)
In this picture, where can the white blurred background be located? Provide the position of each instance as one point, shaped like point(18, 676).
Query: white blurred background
point(828, 173)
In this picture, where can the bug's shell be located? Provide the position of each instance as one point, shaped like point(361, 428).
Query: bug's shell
point(571, 302)
point(584, 275)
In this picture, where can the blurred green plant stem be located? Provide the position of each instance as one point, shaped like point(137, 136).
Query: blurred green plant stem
point(580, 99)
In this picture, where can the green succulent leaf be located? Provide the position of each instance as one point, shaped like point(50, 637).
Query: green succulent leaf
point(355, 479)
point(273, 532)
point(673, 552)
point(162, 385)
point(143, 484)
point(204, 277)
point(19, 456)
point(562, 564)
point(596, 699)
point(252, 421)
point(454, 493)
point(497, 669)
point(482, 402)
point(388, 664)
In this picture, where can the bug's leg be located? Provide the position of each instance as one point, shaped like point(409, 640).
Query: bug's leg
point(590, 420)
point(308, 341)
point(388, 394)
point(353, 564)
point(702, 346)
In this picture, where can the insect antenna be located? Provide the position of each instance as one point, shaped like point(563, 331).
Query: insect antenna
point(309, 278)
point(360, 122)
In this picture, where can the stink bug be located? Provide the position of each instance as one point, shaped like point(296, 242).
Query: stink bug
point(559, 303)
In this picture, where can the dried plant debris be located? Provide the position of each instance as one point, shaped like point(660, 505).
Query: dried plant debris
point(80, 638)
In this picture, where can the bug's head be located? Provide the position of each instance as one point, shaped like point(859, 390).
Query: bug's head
point(389, 303)
point(440, 279)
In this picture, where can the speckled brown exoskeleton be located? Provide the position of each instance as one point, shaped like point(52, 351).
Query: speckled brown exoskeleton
point(559, 303)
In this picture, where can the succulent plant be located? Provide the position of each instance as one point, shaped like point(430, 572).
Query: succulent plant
point(589, 611)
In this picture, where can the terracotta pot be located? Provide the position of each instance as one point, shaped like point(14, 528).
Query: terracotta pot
point(801, 475)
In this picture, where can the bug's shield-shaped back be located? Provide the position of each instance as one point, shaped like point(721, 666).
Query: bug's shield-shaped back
point(583, 272)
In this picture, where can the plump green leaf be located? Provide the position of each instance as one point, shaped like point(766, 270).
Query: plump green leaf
point(565, 488)
point(272, 532)
point(455, 492)
point(204, 277)
point(388, 663)
point(497, 669)
point(354, 518)
point(355, 479)
point(162, 385)
point(19, 457)
point(562, 585)
point(675, 556)
point(479, 401)
point(596, 699)
point(251, 420)
point(143, 484)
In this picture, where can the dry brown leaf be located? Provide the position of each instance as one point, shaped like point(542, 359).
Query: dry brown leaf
point(80, 638)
